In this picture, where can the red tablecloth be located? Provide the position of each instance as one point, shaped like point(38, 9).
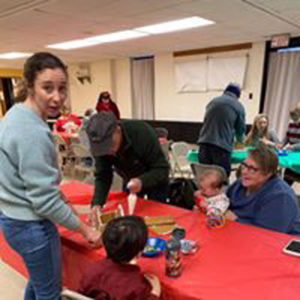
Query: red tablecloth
point(234, 262)
point(78, 192)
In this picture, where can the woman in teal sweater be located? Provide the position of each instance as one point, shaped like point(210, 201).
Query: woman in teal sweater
point(30, 199)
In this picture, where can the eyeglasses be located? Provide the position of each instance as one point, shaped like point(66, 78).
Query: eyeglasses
point(251, 169)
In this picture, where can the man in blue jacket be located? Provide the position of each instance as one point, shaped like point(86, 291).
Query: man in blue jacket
point(224, 119)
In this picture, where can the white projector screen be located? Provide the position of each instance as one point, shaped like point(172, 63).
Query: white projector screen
point(191, 76)
point(222, 71)
point(209, 74)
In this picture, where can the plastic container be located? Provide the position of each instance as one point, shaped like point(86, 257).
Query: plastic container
point(188, 246)
point(173, 258)
point(154, 247)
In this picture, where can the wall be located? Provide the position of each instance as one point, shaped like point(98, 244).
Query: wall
point(84, 96)
point(122, 85)
point(114, 75)
point(110, 75)
point(191, 106)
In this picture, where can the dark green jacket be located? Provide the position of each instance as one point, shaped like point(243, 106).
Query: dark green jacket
point(140, 155)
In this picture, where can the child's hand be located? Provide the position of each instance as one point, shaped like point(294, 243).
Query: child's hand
point(200, 204)
point(203, 204)
point(154, 282)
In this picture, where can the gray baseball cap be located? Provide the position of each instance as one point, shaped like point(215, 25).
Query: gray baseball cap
point(100, 129)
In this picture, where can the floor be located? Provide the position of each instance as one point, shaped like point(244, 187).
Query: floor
point(12, 283)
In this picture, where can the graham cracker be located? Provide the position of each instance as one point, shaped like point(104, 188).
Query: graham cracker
point(162, 229)
point(161, 220)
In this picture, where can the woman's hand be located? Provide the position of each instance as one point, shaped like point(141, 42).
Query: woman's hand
point(230, 215)
point(92, 235)
point(288, 147)
point(267, 142)
point(154, 282)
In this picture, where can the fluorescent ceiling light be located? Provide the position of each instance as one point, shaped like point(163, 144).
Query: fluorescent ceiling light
point(73, 44)
point(139, 32)
point(176, 25)
point(99, 39)
point(118, 36)
point(14, 55)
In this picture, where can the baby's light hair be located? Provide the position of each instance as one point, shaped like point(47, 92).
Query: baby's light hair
point(217, 173)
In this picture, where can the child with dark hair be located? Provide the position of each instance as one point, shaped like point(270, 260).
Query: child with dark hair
point(117, 277)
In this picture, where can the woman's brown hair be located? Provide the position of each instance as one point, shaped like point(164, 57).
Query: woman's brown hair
point(254, 129)
point(265, 158)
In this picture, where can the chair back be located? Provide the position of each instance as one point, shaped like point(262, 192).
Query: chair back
point(80, 151)
point(71, 295)
point(181, 164)
point(63, 152)
point(165, 150)
point(83, 161)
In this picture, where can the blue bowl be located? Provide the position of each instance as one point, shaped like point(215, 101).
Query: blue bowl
point(154, 246)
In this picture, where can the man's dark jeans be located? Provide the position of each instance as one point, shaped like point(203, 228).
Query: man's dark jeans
point(214, 155)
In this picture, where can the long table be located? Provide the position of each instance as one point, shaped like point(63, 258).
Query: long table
point(291, 160)
point(234, 262)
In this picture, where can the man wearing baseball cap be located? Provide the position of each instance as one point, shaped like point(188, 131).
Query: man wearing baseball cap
point(131, 148)
point(224, 120)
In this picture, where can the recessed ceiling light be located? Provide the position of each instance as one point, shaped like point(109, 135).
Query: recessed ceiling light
point(175, 25)
point(14, 55)
point(99, 39)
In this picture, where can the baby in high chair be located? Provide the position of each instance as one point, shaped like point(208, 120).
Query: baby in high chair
point(209, 196)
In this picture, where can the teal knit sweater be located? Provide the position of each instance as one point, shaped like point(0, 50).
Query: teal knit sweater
point(29, 175)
